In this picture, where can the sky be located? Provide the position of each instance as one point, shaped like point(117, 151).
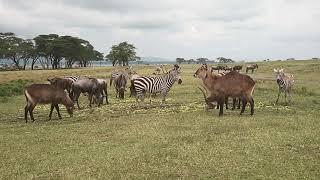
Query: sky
point(237, 29)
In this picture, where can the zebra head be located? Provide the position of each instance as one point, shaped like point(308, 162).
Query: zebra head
point(279, 76)
point(175, 73)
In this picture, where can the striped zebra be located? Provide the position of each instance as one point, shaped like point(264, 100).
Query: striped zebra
point(285, 82)
point(157, 84)
point(72, 78)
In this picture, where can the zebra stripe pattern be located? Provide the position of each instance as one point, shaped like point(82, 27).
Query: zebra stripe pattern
point(156, 84)
point(285, 82)
point(72, 78)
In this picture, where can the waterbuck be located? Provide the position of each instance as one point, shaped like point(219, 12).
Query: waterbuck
point(63, 83)
point(232, 85)
point(46, 94)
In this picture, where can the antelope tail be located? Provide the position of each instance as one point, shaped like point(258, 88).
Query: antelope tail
point(28, 97)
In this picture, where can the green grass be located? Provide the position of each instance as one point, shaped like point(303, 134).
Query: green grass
point(182, 140)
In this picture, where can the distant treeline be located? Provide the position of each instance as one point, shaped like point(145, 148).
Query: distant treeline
point(54, 51)
point(204, 60)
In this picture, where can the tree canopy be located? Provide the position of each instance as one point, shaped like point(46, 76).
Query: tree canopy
point(122, 53)
point(48, 49)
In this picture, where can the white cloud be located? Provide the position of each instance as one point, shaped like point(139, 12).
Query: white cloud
point(181, 28)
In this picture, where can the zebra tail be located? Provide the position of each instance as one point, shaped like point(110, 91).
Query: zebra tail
point(133, 88)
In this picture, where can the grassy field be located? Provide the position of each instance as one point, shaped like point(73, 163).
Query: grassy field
point(182, 140)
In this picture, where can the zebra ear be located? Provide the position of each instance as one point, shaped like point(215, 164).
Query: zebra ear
point(275, 70)
point(281, 70)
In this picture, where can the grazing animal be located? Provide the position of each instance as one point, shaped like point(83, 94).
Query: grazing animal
point(232, 85)
point(237, 68)
point(102, 84)
point(227, 99)
point(218, 68)
point(115, 74)
point(132, 89)
point(156, 84)
point(227, 68)
point(86, 85)
point(46, 94)
point(120, 83)
point(64, 83)
point(285, 82)
point(251, 67)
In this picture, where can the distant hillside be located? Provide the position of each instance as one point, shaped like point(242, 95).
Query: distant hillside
point(155, 59)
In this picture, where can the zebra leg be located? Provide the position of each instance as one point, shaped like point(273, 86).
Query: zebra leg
point(285, 96)
point(163, 98)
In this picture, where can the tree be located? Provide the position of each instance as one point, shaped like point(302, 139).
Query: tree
point(202, 60)
point(122, 53)
point(190, 61)
point(11, 47)
point(44, 47)
point(180, 60)
point(224, 60)
point(28, 53)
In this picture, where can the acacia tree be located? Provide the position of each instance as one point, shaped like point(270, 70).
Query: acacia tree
point(180, 60)
point(122, 53)
point(224, 60)
point(44, 48)
point(11, 47)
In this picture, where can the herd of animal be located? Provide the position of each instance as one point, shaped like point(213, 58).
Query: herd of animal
point(219, 87)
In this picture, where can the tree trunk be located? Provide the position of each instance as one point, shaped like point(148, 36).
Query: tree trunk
point(34, 60)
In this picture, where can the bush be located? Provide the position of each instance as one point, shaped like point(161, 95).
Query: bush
point(13, 88)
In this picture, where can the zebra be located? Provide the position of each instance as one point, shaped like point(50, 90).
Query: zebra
point(72, 78)
point(156, 84)
point(285, 82)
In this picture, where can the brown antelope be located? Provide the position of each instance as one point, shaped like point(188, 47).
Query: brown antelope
point(46, 94)
point(285, 82)
point(232, 85)
point(251, 67)
point(63, 83)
